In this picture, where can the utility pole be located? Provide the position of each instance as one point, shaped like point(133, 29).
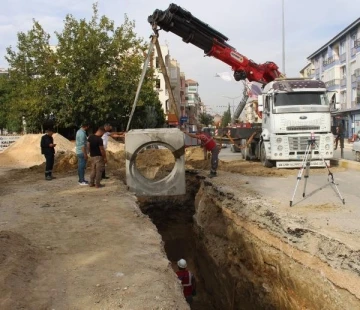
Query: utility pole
point(283, 37)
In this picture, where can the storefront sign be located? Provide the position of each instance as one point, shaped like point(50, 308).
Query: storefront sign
point(6, 141)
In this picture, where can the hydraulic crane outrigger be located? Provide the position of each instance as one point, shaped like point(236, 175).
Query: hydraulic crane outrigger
point(192, 30)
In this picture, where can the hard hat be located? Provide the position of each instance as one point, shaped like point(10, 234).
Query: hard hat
point(182, 263)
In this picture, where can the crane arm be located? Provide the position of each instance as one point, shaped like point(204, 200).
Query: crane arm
point(192, 30)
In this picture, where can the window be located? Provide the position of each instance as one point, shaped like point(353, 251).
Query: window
point(352, 40)
point(353, 94)
point(158, 83)
point(342, 48)
point(157, 64)
point(290, 99)
point(343, 97)
point(343, 72)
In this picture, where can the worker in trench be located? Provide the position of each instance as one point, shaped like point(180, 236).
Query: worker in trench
point(187, 280)
point(208, 143)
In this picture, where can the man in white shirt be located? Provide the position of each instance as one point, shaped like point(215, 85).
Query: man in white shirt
point(105, 138)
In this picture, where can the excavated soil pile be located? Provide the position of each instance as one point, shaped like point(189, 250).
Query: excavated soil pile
point(26, 151)
point(194, 157)
point(115, 146)
point(18, 261)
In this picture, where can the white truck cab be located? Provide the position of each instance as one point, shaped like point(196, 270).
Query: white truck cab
point(293, 110)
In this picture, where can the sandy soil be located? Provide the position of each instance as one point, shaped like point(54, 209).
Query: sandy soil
point(63, 246)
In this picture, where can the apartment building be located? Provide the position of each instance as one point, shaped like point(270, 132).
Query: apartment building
point(193, 101)
point(337, 63)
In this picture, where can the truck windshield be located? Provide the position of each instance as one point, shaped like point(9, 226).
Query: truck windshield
point(291, 99)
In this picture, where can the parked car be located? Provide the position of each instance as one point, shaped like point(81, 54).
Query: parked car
point(356, 150)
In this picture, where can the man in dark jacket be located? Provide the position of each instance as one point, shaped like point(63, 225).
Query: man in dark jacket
point(48, 150)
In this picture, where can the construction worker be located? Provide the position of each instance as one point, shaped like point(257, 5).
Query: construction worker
point(187, 280)
point(105, 138)
point(208, 143)
point(48, 150)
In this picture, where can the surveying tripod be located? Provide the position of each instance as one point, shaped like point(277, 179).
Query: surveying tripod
point(312, 145)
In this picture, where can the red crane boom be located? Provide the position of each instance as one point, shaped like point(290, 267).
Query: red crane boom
point(192, 30)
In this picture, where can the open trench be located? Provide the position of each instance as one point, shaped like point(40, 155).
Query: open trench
point(238, 265)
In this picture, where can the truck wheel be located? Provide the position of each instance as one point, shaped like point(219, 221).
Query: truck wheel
point(357, 156)
point(245, 151)
point(266, 163)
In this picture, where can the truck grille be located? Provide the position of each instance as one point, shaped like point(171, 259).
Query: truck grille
point(300, 143)
point(298, 128)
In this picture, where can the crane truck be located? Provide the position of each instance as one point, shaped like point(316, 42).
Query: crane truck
point(288, 110)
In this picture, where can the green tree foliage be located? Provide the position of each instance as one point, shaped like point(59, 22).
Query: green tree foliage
point(90, 77)
point(226, 118)
point(33, 76)
point(206, 119)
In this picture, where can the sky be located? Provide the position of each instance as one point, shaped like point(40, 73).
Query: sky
point(253, 27)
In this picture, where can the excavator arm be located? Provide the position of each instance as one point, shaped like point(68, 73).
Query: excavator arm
point(192, 30)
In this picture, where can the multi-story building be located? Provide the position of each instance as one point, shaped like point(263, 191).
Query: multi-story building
point(183, 97)
point(337, 63)
point(193, 101)
point(174, 74)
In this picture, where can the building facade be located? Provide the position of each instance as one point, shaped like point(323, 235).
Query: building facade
point(337, 63)
point(193, 101)
point(187, 100)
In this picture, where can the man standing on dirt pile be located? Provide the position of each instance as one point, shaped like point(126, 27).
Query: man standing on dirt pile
point(105, 138)
point(97, 157)
point(82, 152)
point(210, 145)
point(187, 280)
point(48, 150)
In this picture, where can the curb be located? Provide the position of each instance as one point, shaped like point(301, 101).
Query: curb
point(344, 163)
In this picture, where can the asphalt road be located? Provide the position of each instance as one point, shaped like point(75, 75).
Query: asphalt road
point(227, 155)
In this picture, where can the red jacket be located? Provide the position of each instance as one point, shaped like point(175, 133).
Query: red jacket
point(206, 141)
point(187, 281)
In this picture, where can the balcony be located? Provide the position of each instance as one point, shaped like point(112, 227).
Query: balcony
point(353, 78)
point(343, 106)
point(343, 82)
point(357, 44)
point(332, 83)
point(329, 61)
point(343, 57)
point(353, 52)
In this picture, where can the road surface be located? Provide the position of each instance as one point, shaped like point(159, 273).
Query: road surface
point(227, 155)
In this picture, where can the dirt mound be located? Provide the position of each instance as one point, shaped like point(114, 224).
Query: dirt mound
point(194, 153)
point(26, 151)
point(115, 146)
point(18, 261)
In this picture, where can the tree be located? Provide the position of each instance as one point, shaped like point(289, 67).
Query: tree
point(90, 76)
point(206, 119)
point(101, 66)
point(33, 77)
point(226, 118)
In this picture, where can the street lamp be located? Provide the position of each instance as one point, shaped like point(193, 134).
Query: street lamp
point(233, 99)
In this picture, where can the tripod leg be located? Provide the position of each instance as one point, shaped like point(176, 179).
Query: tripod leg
point(307, 171)
point(301, 170)
point(331, 179)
